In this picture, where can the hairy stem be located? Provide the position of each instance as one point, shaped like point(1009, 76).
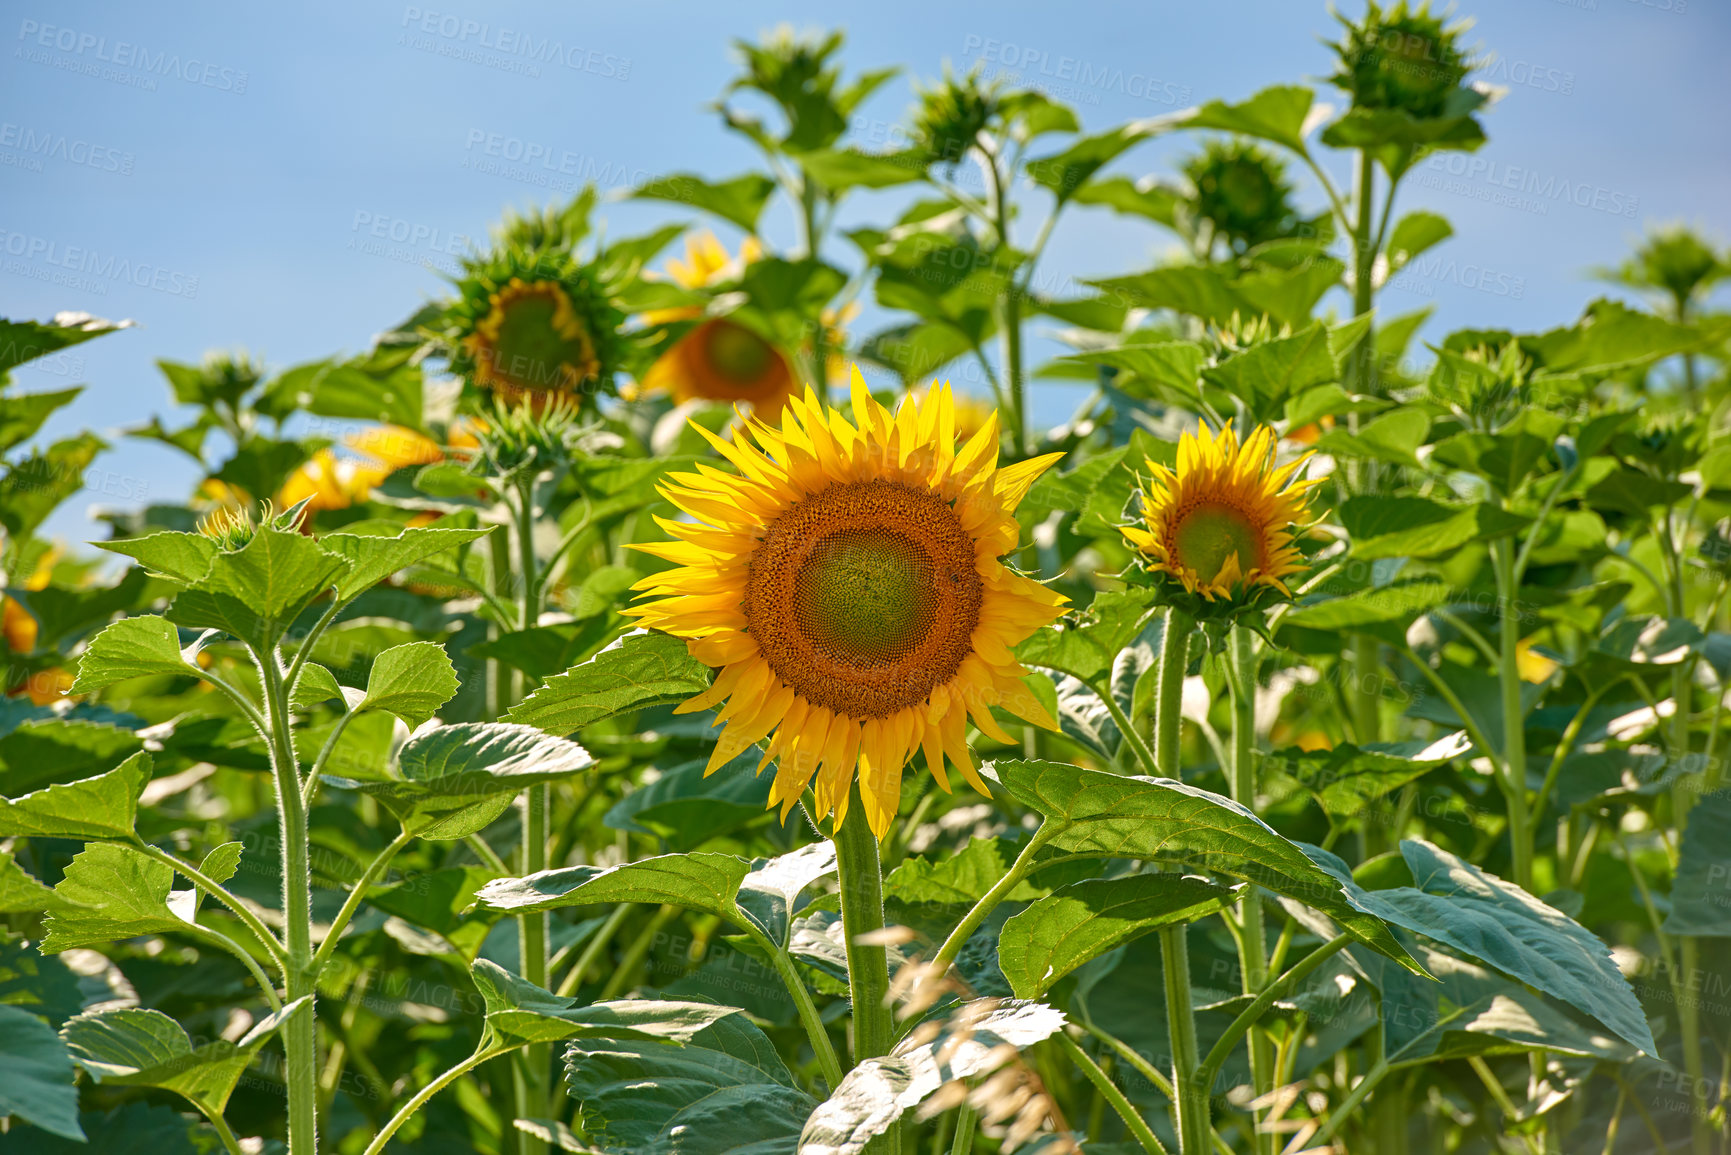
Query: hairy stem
point(1134, 1122)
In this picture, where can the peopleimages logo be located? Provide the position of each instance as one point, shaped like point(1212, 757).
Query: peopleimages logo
point(1029, 62)
point(1541, 187)
point(124, 54)
point(92, 267)
point(58, 146)
point(461, 32)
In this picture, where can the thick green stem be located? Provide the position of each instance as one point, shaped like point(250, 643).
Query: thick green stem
point(1252, 940)
point(862, 914)
point(1514, 720)
point(1010, 318)
point(1169, 690)
point(1194, 1126)
point(533, 1076)
point(300, 1033)
point(1134, 1122)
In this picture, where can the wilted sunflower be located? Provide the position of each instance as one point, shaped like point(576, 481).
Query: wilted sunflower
point(1221, 526)
point(848, 584)
point(719, 359)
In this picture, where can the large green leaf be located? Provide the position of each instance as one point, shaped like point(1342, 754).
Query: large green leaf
point(739, 200)
point(450, 781)
point(134, 648)
point(411, 681)
point(519, 1012)
point(724, 1091)
point(1265, 375)
point(685, 807)
point(112, 892)
point(20, 892)
point(769, 893)
point(1498, 923)
point(1086, 648)
point(375, 557)
point(274, 576)
point(1275, 114)
point(702, 881)
point(1084, 920)
point(139, 1047)
point(1066, 172)
point(185, 557)
point(33, 488)
point(105, 806)
point(1346, 779)
point(1196, 290)
point(1162, 820)
point(24, 341)
point(974, 1041)
point(45, 751)
point(1701, 890)
point(643, 668)
point(1406, 526)
point(37, 1079)
point(23, 414)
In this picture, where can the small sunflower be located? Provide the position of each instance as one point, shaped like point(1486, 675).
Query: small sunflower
point(1221, 526)
point(847, 583)
point(718, 359)
point(535, 324)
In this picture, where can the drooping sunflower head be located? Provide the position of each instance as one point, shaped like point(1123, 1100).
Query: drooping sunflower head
point(847, 583)
point(534, 325)
point(1243, 192)
point(1217, 534)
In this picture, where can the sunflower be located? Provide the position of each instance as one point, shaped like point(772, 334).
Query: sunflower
point(1221, 525)
point(847, 584)
point(718, 359)
point(531, 341)
point(338, 483)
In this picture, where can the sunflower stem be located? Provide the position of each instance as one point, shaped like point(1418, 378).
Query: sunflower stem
point(1252, 941)
point(1169, 690)
point(532, 1077)
point(859, 872)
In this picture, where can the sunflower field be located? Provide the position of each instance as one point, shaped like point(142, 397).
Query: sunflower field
point(636, 706)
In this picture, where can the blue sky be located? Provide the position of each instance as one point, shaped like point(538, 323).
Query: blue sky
point(238, 158)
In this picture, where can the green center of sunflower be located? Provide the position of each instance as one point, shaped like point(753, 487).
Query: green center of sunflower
point(531, 350)
point(866, 596)
point(1209, 534)
point(737, 353)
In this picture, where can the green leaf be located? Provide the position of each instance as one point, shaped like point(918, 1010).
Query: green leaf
point(1194, 290)
point(48, 751)
point(34, 487)
point(1161, 820)
point(1155, 370)
point(138, 1047)
point(317, 685)
point(1701, 890)
point(1066, 172)
point(1265, 375)
point(113, 892)
point(852, 168)
point(450, 781)
point(739, 200)
point(1086, 647)
point(518, 1012)
point(22, 415)
point(770, 891)
point(24, 341)
point(641, 669)
point(1393, 437)
point(105, 806)
point(1395, 605)
point(20, 892)
point(37, 1079)
point(382, 385)
point(702, 881)
point(1346, 778)
point(542, 651)
point(1413, 234)
point(1275, 114)
point(724, 1091)
point(1084, 920)
point(686, 807)
point(411, 681)
point(256, 592)
point(134, 648)
point(1498, 923)
point(185, 557)
point(375, 557)
point(1143, 198)
point(1404, 526)
point(973, 1042)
